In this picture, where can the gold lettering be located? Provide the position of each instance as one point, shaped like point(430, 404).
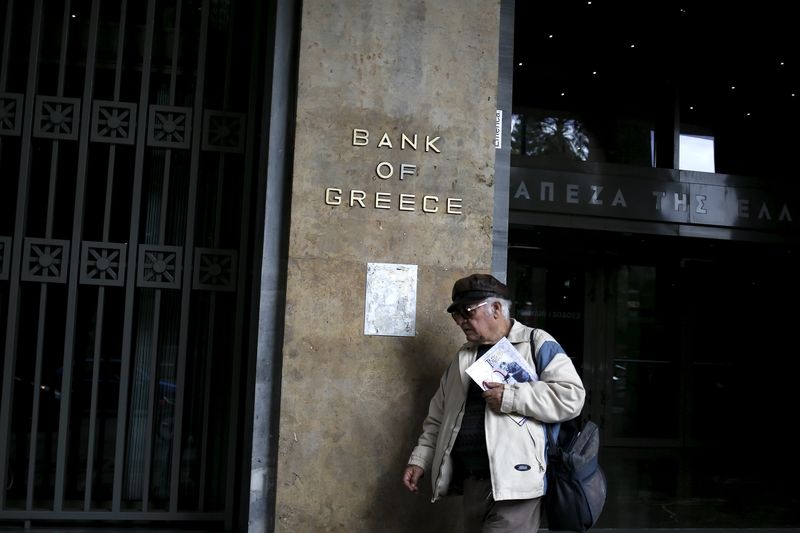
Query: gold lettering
point(333, 196)
point(383, 174)
point(357, 196)
point(406, 202)
point(407, 170)
point(404, 139)
point(407, 141)
point(385, 141)
point(454, 206)
point(425, 208)
point(382, 200)
point(360, 137)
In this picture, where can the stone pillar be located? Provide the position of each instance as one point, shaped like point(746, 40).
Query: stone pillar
point(393, 164)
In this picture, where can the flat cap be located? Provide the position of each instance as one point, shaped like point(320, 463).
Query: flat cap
point(477, 287)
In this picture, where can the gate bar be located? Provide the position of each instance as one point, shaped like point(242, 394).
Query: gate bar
point(75, 255)
point(130, 284)
point(186, 290)
point(9, 356)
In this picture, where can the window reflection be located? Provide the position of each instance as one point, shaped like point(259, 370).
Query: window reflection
point(549, 136)
point(581, 137)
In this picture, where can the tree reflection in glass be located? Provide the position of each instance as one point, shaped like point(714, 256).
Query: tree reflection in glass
point(557, 137)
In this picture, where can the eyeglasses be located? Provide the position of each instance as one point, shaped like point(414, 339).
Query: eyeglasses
point(467, 312)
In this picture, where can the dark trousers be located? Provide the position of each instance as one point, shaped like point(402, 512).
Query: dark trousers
point(482, 514)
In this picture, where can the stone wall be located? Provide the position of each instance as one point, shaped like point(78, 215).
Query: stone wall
point(393, 163)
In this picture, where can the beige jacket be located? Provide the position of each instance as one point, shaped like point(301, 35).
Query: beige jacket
point(516, 453)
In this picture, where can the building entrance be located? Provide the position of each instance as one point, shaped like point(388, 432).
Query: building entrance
point(129, 150)
point(674, 339)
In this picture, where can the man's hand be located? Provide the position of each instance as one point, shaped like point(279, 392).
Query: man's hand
point(411, 477)
point(493, 395)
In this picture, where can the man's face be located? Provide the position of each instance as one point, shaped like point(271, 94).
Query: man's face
point(478, 322)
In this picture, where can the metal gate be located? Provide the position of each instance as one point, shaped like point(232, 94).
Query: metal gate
point(127, 185)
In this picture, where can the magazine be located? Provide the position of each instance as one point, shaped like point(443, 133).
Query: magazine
point(502, 363)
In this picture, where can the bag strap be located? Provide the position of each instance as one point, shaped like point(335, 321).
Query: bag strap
point(550, 430)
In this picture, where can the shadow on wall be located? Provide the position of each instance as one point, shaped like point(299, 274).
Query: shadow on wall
point(394, 509)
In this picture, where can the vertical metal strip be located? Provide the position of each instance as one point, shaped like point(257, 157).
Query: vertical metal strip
point(4, 53)
point(213, 297)
point(92, 435)
point(43, 289)
point(130, 281)
point(218, 214)
point(163, 224)
point(123, 11)
point(176, 39)
point(51, 201)
point(269, 290)
point(162, 219)
point(37, 383)
point(151, 394)
point(101, 293)
point(186, 290)
point(52, 185)
point(6, 46)
point(502, 162)
point(156, 318)
point(51, 189)
point(236, 354)
point(112, 159)
point(162, 215)
point(206, 402)
point(212, 312)
point(9, 355)
point(62, 57)
point(75, 255)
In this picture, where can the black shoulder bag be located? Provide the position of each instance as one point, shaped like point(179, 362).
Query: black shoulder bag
point(576, 484)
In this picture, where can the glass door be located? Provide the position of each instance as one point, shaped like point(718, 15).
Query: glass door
point(616, 321)
point(641, 380)
point(687, 350)
point(610, 300)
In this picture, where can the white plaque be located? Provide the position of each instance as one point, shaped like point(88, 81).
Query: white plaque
point(498, 129)
point(391, 302)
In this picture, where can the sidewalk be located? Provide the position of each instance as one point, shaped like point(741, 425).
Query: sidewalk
point(61, 529)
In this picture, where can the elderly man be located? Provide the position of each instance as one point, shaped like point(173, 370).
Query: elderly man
point(468, 443)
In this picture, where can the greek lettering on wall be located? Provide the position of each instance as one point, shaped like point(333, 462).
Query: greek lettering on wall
point(626, 197)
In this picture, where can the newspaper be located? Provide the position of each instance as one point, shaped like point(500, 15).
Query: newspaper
point(502, 363)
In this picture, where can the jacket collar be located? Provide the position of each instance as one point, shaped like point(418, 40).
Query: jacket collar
point(518, 333)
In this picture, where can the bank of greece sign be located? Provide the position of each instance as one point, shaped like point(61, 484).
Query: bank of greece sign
point(395, 170)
